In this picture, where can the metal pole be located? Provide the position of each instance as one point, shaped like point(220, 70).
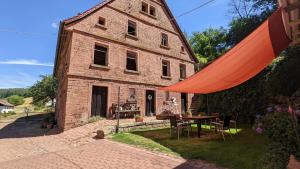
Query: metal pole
point(118, 113)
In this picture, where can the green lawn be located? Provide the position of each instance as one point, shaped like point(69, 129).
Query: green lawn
point(244, 151)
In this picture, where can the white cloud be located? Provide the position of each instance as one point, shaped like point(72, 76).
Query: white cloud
point(18, 80)
point(54, 25)
point(25, 62)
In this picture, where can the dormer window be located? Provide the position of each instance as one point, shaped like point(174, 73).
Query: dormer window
point(132, 28)
point(144, 7)
point(152, 11)
point(101, 21)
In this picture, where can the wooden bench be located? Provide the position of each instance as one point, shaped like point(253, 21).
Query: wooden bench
point(127, 110)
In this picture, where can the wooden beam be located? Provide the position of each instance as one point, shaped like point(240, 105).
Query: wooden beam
point(294, 22)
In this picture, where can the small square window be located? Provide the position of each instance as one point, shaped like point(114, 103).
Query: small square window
point(166, 68)
point(182, 71)
point(182, 49)
point(100, 55)
point(144, 7)
point(131, 62)
point(132, 28)
point(152, 11)
point(164, 39)
point(101, 21)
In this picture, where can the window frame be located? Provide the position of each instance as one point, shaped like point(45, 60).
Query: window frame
point(106, 56)
point(133, 54)
point(103, 20)
point(168, 63)
point(153, 7)
point(136, 28)
point(147, 7)
point(162, 40)
point(181, 65)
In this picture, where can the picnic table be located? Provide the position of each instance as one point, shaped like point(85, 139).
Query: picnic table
point(198, 120)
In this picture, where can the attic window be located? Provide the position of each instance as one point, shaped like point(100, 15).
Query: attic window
point(101, 21)
point(182, 49)
point(152, 11)
point(144, 7)
point(131, 28)
point(164, 40)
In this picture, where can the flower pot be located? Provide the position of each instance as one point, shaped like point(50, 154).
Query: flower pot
point(139, 119)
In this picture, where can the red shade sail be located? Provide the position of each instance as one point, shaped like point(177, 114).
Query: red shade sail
point(241, 63)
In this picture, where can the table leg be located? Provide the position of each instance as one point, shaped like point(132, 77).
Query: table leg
point(199, 128)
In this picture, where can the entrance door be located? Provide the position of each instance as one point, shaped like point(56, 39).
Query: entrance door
point(150, 103)
point(184, 103)
point(99, 101)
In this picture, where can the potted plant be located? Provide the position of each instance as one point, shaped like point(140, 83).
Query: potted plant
point(139, 118)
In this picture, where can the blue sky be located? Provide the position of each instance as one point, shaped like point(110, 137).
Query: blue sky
point(28, 32)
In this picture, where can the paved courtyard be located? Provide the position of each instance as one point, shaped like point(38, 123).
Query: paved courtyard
point(24, 145)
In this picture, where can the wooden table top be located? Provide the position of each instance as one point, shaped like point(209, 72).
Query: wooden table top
point(198, 117)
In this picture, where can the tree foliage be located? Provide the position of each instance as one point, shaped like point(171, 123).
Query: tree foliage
point(44, 90)
point(16, 100)
point(4, 93)
point(210, 44)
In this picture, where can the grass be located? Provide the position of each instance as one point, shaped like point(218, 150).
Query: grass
point(245, 150)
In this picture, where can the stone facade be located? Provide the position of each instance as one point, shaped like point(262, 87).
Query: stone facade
point(75, 55)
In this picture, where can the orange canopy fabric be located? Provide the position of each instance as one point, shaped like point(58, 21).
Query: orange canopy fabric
point(241, 63)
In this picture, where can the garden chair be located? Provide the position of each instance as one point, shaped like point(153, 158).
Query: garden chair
point(222, 126)
point(178, 125)
point(234, 121)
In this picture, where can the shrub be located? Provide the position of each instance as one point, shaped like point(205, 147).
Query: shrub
point(16, 100)
point(279, 129)
point(94, 119)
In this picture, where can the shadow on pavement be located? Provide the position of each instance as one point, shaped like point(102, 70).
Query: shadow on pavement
point(25, 127)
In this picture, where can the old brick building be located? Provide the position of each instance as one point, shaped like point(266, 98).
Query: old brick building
point(131, 44)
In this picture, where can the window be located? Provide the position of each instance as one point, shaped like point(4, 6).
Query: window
point(182, 71)
point(166, 68)
point(152, 11)
point(164, 39)
point(131, 94)
point(182, 49)
point(101, 21)
point(131, 63)
point(100, 55)
point(131, 28)
point(144, 7)
point(167, 96)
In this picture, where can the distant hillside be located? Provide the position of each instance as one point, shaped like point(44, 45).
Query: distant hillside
point(4, 93)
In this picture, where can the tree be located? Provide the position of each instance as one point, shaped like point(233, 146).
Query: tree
point(16, 100)
point(45, 90)
point(209, 44)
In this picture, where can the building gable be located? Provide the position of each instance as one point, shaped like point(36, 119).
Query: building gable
point(166, 13)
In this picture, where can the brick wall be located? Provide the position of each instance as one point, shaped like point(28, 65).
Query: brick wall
point(75, 106)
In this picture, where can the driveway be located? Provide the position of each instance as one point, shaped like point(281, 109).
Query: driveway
point(24, 145)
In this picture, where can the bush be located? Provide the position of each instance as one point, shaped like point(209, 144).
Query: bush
point(10, 113)
point(16, 100)
point(280, 131)
point(95, 119)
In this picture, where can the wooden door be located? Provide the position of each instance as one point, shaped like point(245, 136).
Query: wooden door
point(99, 101)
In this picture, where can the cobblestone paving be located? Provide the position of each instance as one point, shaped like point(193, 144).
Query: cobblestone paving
point(104, 154)
point(23, 145)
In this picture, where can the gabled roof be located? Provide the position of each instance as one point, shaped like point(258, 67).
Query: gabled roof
point(90, 11)
point(5, 103)
point(87, 12)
